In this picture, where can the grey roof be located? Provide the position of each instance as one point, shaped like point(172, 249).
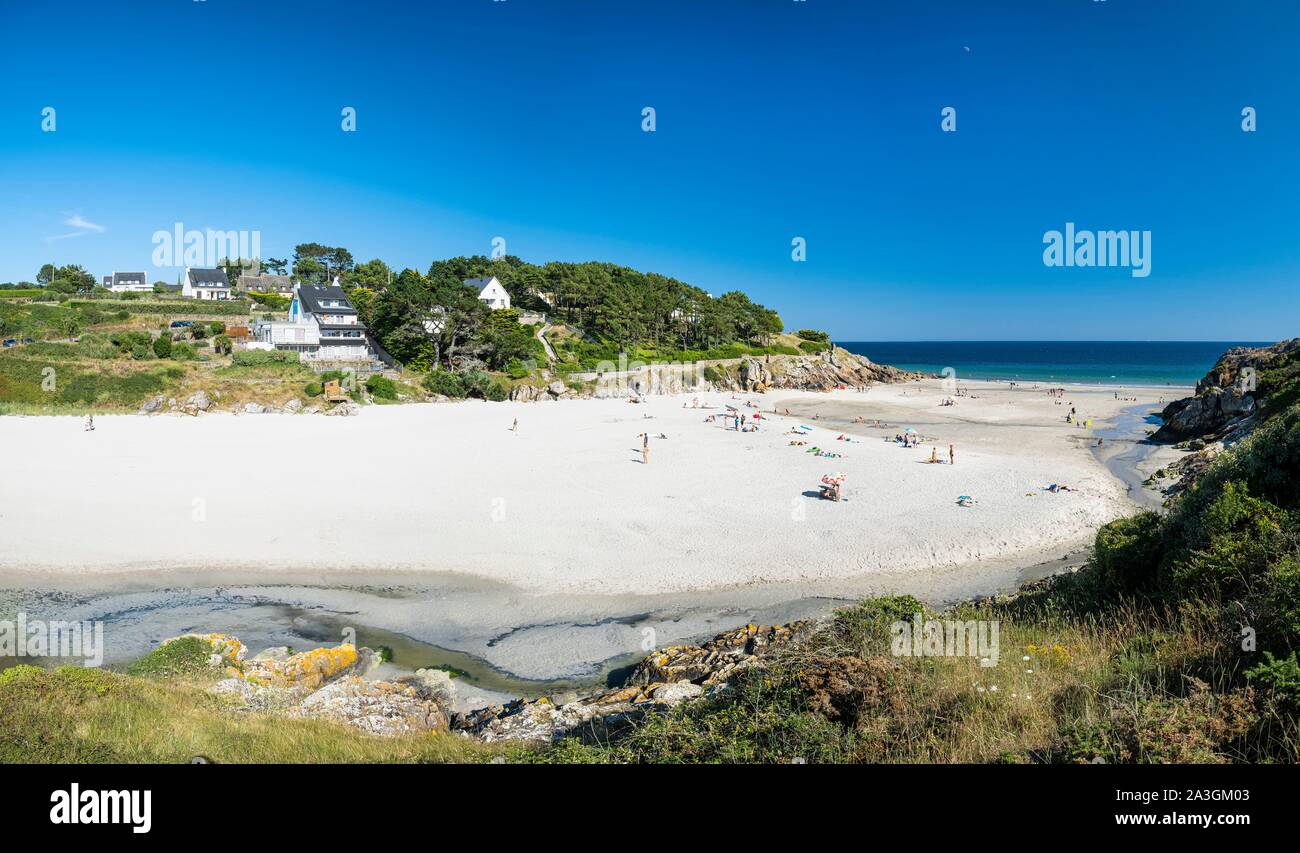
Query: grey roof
point(312, 297)
point(479, 283)
point(265, 283)
point(208, 277)
point(127, 277)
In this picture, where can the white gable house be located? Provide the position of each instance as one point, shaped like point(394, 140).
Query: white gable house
point(206, 284)
point(129, 282)
point(491, 293)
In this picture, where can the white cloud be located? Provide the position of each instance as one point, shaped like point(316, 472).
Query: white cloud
point(84, 226)
point(76, 221)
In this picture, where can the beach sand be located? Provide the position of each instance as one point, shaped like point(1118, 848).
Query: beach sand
point(565, 505)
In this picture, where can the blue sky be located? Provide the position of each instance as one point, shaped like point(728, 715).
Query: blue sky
point(775, 119)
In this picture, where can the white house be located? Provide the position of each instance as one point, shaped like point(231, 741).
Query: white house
point(128, 282)
point(206, 284)
point(490, 292)
point(322, 326)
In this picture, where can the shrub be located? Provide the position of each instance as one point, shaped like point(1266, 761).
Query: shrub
point(712, 373)
point(444, 382)
point(222, 344)
point(218, 327)
point(1127, 552)
point(1239, 537)
point(130, 342)
point(496, 392)
point(313, 389)
point(274, 301)
point(162, 346)
point(813, 335)
point(866, 627)
point(382, 387)
point(182, 352)
point(1280, 677)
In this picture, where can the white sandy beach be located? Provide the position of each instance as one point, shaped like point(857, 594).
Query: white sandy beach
point(565, 505)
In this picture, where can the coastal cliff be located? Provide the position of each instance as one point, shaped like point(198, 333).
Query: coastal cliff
point(1230, 398)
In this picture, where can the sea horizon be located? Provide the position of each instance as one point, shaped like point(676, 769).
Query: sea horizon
point(1118, 363)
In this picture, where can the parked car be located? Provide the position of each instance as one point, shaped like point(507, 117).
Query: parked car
point(182, 324)
point(28, 341)
point(10, 342)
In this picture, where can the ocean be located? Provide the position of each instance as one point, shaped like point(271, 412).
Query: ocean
point(1150, 363)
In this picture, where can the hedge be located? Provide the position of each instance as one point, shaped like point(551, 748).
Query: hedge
point(189, 307)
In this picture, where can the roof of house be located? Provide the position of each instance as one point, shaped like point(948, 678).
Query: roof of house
point(481, 283)
point(313, 296)
point(124, 277)
point(265, 283)
point(207, 277)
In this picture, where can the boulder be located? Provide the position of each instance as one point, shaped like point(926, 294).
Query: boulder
point(152, 405)
point(293, 407)
point(528, 393)
point(200, 401)
point(311, 669)
point(253, 408)
point(344, 410)
point(377, 707)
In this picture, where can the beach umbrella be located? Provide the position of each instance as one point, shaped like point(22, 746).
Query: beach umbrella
point(910, 429)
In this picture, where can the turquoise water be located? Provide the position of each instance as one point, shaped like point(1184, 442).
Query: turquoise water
point(1089, 362)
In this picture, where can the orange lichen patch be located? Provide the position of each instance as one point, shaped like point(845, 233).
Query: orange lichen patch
point(306, 669)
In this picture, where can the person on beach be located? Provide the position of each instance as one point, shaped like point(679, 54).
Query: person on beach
point(90, 423)
point(952, 456)
point(934, 455)
point(645, 448)
point(515, 427)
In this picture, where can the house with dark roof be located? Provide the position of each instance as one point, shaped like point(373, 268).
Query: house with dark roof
point(128, 282)
point(264, 283)
point(206, 284)
point(322, 326)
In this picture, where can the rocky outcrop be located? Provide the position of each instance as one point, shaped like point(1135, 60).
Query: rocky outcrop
point(667, 677)
point(714, 662)
point(1227, 399)
point(344, 410)
point(407, 705)
point(332, 684)
point(828, 371)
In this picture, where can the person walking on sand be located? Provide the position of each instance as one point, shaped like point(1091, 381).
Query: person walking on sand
point(90, 423)
point(952, 456)
point(515, 427)
point(645, 448)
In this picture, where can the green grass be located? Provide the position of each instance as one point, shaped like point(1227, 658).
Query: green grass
point(78, 715)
